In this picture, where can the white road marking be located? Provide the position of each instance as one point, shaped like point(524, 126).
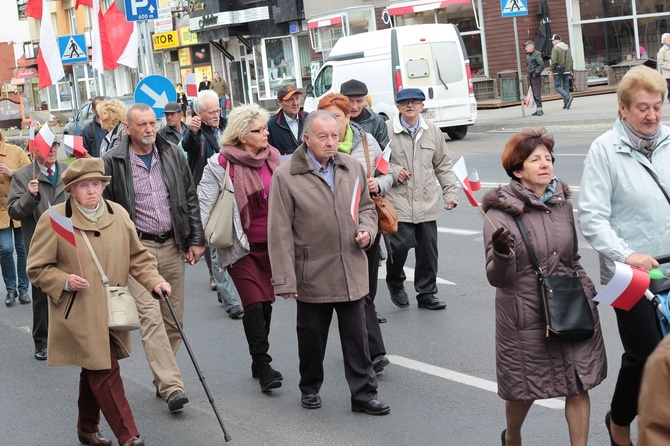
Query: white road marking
point(458, 231)
point(409, 272)
point(461, 378)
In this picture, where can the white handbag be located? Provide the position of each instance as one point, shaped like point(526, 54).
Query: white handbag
point(121, 307)
point(220, 228)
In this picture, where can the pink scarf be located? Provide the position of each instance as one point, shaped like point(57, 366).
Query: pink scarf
point(248, 182)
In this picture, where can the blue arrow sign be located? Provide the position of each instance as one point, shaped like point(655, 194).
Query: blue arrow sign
point(141, 10)
point(155, 91)
point(73, 49)
point(514, 8)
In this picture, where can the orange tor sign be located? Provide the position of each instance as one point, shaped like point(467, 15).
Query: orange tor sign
point(166, 40)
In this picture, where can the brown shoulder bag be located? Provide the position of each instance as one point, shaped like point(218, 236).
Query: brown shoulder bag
point(386, 214)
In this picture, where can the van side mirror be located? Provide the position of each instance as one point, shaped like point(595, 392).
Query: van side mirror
point(309, 91)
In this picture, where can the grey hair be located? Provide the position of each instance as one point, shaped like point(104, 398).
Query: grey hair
point(664, 36)
point(319, 114)
point(200, 100)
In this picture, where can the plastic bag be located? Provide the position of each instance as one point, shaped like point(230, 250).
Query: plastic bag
point(530, 100)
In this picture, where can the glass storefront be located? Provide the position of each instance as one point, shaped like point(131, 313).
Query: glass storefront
point(281, 61)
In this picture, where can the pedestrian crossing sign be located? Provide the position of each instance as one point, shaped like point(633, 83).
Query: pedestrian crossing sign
point(73, 49)
point(514, 8)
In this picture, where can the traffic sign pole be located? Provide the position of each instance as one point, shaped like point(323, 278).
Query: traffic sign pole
point(518, 67)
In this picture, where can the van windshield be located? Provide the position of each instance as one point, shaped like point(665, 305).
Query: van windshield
point(324, 81)
point(433, 63)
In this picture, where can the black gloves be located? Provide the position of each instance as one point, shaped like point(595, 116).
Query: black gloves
point(502, 241)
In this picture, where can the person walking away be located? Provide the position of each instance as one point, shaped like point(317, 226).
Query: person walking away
point(561, 69)
point(535, 66)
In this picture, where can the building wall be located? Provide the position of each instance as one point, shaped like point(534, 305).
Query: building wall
point(318, 7)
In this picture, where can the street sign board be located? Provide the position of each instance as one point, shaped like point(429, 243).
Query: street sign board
point(155, 91)
point(73, 49)
point(514, 8)
point(141, 10)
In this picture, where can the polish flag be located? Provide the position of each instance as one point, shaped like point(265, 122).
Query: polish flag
point(88, 3)
point(62, 225)
point(191, 85)
point(44, 140)
point(356, 199)
point(469, 183)
point(74, 146)
point(383, 162)
point(626, 287)
point(49, 64)
point(114, 41)
point(31, 140)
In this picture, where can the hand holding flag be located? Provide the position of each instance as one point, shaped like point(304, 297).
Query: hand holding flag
point(62, 225)
point(626, 287)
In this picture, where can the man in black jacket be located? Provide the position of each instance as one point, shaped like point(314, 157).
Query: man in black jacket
point(151, 180)
point(370, 121)
point(286, 126)
point(535, 66)
point(93, 133)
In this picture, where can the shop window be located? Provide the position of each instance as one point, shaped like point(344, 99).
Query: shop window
point(608, 42)
point(325, 37)
point(597, 9)
point(460, 15)
point(280, 63)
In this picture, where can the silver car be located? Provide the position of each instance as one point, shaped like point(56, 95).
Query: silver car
point(84, 115)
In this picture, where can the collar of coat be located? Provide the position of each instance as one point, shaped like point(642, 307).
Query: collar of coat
point(121, 151)
point(81, 222)
point(513, 198)
point(398, 128)
point(281, 119)
point(301, 165)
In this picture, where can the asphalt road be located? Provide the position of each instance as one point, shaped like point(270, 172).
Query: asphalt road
point(440, 384)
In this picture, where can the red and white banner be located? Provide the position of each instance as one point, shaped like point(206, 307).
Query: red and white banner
point(383, 162)
point(44, 140)
point(114, 41)
point(74, 146)
point(31, 140)
point(626, 287)
point(49, 64)
point(355, 200)
point(469, 183)
point(62, 225)
point(191, 85)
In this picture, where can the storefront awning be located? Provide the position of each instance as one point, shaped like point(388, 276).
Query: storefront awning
point(328, 21)
point(421, 6)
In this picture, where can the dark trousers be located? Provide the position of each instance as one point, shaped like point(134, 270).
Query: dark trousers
point(639, 333)
point(375, 339)
point(40, 318)
point(536, 86)
point(313, 323)
point(102, 390)
point(667, 81)
point(423, 238)
point(256, 322)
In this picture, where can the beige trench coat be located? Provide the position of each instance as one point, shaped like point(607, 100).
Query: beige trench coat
point(14, 157)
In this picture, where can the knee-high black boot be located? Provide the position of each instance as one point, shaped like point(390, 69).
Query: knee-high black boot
point(257, 337)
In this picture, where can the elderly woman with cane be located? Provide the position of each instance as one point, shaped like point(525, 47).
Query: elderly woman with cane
point(531, 364)
point(61, 264)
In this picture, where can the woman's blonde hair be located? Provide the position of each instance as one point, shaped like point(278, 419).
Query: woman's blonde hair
point(111, 112)
point(640, 78)
point(239, 123)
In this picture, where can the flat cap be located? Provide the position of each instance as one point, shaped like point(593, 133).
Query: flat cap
point(172, 107)
point(354, 87)
point(410, 93)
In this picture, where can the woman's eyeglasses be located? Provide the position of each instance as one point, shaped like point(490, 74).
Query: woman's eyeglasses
point(260, 130)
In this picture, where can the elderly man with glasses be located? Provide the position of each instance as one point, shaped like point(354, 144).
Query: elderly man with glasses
point(420, 160)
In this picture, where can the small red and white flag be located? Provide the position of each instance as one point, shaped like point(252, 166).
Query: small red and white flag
point(626, 287)
point(114, 40)
point(356, 199)
point(31, 140)
point(44, 140)
point(49, 64)
point(383, 161)
point(62, 225)
point(191, 85)
point(74, 146)
point(469, 183)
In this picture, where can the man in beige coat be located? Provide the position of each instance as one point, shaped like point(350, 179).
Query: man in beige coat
point(663, 59)
point(321, 218)
point(420, 161)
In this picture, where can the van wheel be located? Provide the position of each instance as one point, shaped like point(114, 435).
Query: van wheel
point(456, 133)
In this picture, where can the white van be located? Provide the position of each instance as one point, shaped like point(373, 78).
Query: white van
point(431, 57)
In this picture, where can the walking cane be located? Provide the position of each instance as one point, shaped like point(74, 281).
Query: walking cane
point(195, 364)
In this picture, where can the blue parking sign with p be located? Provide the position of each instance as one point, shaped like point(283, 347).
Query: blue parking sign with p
point(141, 10)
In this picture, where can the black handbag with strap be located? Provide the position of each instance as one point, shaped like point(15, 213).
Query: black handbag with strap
point(567, 312)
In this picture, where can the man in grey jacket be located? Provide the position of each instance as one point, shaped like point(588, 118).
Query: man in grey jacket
point(535, 66)
point(416, 145)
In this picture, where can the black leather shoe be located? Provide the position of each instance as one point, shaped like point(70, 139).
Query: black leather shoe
point(380, 319)
point(41, 354)
point(372, 407)
point(431, 302)
point(502, 436)
point(176, 401)
point(94, 439)
point(608, 423)
point(399, 297)
point(11, 298)
point(310, 400)
point(269, 378)
point(24, 298)
point(379, 362)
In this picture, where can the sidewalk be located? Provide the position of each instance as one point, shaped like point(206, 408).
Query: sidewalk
point(587, 112)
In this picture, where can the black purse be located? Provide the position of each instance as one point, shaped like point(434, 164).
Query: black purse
point(567, 313)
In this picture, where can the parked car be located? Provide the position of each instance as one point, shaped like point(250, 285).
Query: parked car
point(84, 115)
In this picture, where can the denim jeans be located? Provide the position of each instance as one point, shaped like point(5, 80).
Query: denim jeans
point(11, 238)
point(562, 84)
point(224, 284)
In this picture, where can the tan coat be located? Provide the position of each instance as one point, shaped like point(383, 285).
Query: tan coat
point(311, 233)
point(14, 157)
point(78, 333)
point(654, 403)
